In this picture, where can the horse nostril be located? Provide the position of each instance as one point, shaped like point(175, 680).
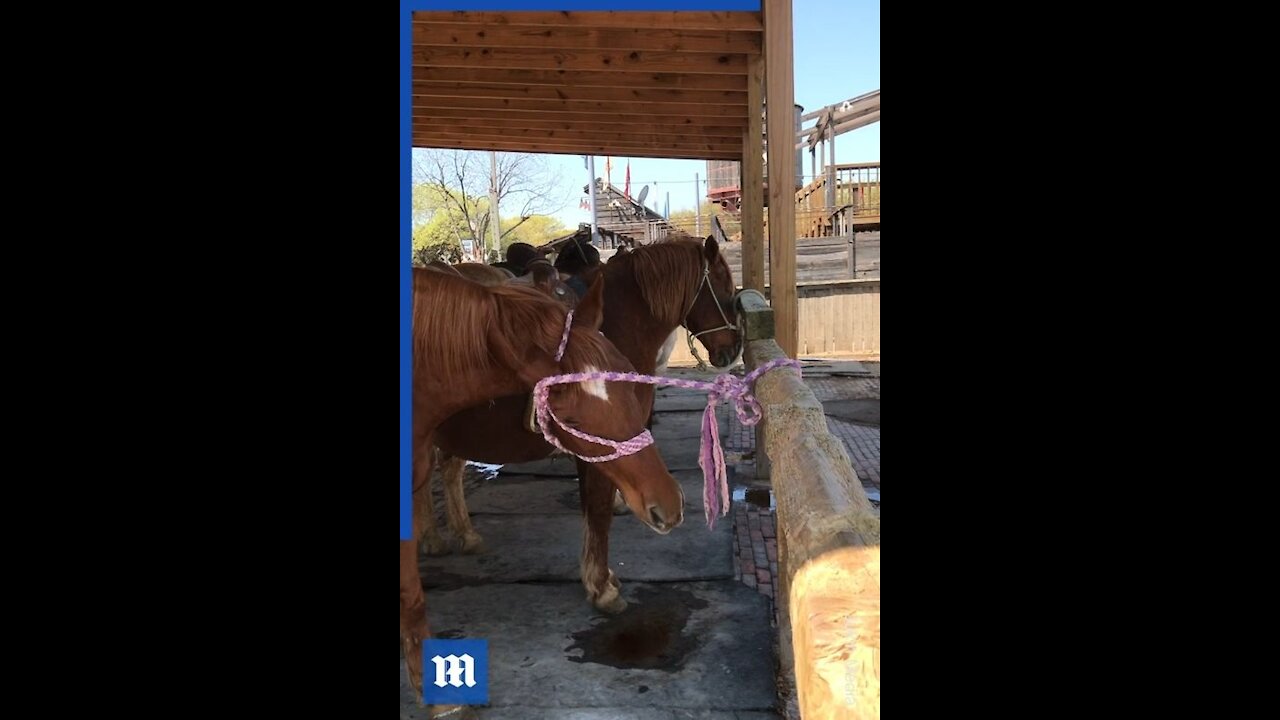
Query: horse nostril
point(655, 514)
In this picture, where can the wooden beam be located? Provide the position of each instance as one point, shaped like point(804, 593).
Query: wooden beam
point(855, 123)
point(828, 590)
point(586, 78)
point(637, 121)
point(780, 101)
point(561, 137)
point(427, 88)
point(618, 124)
point(581, 106)
point(851, 122)
point(681, 20)
point(751, 184)
point(568, 149)
point(531, 59)
point(470, 35)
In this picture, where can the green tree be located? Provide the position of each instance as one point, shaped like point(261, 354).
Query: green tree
point(439, 225)
point(535, 230)
point(451, 196)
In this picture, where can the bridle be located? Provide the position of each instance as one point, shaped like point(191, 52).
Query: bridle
point(724, 387)
point(728, 325)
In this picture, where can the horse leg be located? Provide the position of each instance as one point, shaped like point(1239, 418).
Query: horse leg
point(424, 512)
point(603, 588)
point(413, 615)
point(414, 628)
point(455, 506)
point(413, 603)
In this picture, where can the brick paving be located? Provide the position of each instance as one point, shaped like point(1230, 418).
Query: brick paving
point(755, 545)
point(862, 442)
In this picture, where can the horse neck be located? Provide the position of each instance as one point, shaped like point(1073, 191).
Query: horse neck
point(629, 323)
point(451, 395)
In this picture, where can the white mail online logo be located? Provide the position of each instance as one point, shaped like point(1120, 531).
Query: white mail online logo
point(460, 671)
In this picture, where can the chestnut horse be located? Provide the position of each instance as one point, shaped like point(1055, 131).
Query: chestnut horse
point(649, 292)
point(473, 342)
point(539, 274)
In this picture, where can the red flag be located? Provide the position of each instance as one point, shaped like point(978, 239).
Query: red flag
point(626, 191)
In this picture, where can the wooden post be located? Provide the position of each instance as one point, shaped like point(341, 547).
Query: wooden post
point(828, 552)
point(813, 165)
point(780, 100)
point(752, 182)
point(833, 198)
point(757, 324)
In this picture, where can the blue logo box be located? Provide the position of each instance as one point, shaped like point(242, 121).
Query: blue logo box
point(455, 672)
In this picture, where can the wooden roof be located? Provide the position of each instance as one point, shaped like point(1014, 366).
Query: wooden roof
point(645, 84)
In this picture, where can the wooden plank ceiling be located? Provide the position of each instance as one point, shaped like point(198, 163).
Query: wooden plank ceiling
point(645, 84)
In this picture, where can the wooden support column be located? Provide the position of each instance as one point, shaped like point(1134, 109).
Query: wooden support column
point(833, 201)
point(752, 182)
point(780, 101)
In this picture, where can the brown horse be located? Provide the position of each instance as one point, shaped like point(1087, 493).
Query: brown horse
point(649, 292)
point(472, 343)
point(539, 274)
point(483, 274)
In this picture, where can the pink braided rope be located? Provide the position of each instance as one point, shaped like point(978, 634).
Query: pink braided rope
point(564, 339)
point(715, 494)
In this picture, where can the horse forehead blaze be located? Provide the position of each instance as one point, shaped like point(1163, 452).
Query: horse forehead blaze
point(595, 387)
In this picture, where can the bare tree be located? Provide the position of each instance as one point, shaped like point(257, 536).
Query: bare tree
point(526, 186)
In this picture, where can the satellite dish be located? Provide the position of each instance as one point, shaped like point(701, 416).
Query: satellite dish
point(644, 192)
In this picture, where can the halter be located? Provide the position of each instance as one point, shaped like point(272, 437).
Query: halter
point(706, 280)
point(715, 494)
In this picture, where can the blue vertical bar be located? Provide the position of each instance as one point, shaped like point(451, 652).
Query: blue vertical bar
point(406, 275)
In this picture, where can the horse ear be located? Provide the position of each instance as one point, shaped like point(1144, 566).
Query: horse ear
point(711, 248)
point(590, 311)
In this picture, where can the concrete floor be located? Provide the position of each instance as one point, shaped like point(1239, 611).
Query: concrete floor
point(693, 643)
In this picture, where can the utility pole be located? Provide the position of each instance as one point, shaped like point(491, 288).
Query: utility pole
point(591, 169)
point(697, 203)
point(494, 218)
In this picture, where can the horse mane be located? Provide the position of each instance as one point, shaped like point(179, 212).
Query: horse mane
point(675, 264)
point(484, 274)
point(453, 320)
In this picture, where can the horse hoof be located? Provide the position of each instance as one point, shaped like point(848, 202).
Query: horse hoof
point(472, 545)
point(433, 546)
point(452, 712)
point(610, 599)
point(612, 606)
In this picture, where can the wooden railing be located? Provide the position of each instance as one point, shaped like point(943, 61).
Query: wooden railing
point(828, 542)
point(843, 200)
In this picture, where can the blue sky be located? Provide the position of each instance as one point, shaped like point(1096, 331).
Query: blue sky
point(837, 56)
